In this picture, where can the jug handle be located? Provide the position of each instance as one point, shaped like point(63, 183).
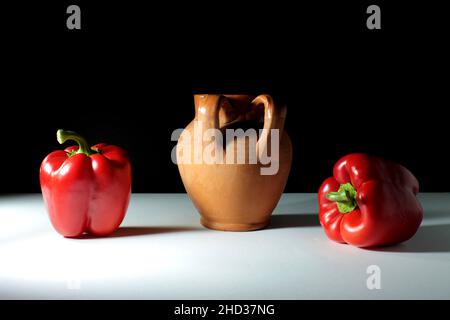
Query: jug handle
point(207, 112)
point(274, 118)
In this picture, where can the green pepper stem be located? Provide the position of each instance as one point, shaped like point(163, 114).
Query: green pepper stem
point(345, 198)
point(338, 196)
point(83, 147)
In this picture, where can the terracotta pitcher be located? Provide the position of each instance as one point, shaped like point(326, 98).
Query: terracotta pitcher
point(235, 196)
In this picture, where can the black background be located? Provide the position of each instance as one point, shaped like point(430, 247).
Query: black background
point(128, 76)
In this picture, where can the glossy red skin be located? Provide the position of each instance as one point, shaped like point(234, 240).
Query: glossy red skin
point(86, 194)
point(388, 211)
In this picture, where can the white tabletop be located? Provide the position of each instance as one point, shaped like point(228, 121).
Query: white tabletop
point(162, 252)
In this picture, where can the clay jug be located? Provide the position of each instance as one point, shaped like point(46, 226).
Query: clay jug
point(235, 196)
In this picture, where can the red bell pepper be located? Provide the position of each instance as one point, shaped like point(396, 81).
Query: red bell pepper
point(369, 202)
point(86, 189)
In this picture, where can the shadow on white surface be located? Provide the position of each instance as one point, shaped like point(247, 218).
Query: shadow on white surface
point(279, 221)
point(141, 231)
point(429, 238)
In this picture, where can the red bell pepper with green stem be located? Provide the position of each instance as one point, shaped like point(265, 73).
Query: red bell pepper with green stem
point(369, 202)
point(86, 189)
